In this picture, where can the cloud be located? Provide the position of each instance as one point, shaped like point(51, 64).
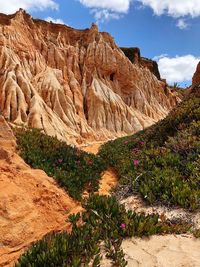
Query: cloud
point(174, 8)
point(12, 6)
point(178, 69)
point(182, 24)
point(105, 10)
point(118, 6)
point(104, 15)
point(57, 21)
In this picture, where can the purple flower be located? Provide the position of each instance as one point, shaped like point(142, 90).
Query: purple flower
point(60, 160)
point(123, 226)
point(136, 162)
point(142, 143)
point(125, 142)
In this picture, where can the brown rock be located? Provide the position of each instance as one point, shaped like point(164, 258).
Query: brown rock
point(75, 84)
point(134, 56)
point(196, 77)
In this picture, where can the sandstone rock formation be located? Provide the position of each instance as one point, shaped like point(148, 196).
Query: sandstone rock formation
point(31, 203)
point(75, 84)
point(196, 77)
point(134, 56)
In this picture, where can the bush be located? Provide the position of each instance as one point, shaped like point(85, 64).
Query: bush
point(74, 169)
point(104, 223)
point(162, 162)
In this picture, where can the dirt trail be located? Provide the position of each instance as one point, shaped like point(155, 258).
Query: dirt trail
point(109, 178)
point(32, 205)
point(157, 251)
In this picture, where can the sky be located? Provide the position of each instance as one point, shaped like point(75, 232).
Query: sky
point(167, 31)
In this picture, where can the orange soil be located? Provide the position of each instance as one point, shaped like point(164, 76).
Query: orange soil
point(31, 203)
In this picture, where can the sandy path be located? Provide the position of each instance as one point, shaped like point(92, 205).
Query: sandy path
point(157, 251)
point(109, 178)
point(161, 251)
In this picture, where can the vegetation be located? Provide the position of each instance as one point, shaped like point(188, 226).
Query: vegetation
point(103, 225)
point(162, 162)
point(74, 169)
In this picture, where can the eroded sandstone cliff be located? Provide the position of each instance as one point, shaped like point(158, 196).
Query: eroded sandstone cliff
point(134, 56)
point(75, 84)
point(196, 76)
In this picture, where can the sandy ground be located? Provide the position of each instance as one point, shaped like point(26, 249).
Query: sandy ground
point(32, 204)
point(157, 251)
point(161, 251)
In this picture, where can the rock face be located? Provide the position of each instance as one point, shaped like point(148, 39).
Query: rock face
point(196, 77)
point(134, 56)
point(31, 203)
point(75, 84)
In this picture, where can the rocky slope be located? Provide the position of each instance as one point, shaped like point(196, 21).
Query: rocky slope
point(196, 77)
point(134, 56)
point(75, 84)
point(31, 203)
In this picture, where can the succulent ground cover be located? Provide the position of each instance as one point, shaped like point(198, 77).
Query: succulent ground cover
point(162, 163)
point(104, 224)
point(74, 169)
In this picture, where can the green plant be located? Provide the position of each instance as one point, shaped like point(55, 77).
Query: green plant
point(104, 223)
point(162, 161)
point(74, 169)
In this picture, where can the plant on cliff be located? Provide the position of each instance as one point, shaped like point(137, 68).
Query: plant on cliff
point(74, 169)
point(162, 162)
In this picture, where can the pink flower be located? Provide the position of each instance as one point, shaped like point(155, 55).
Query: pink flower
point(123, 226)
point(125, 142)
point(142, 143)
point(136, 162)
point(60, 160)
point(90, 162)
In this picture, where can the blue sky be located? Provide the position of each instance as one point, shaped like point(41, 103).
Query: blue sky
point(166, 30)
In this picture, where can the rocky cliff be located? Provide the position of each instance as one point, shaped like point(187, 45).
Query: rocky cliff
point(134, 56)
point(75, 84)
point(196, 77)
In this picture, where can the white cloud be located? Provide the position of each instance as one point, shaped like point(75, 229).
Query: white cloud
point(118, 6)
point(174, 8)
point(178, 69)
point(105, 10)
point(12, 6)
point(182, 24)
point(104, 15)
point(57, 21)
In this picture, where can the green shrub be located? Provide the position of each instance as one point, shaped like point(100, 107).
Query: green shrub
point(74, 169)
point(104, 223)
point(162, 162)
